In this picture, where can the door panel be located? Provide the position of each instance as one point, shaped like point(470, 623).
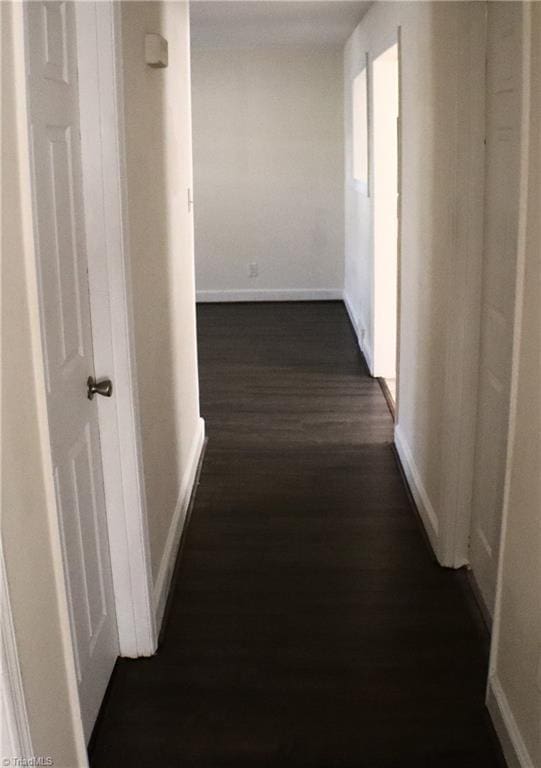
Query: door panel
point(67, 342)
point(499, 265)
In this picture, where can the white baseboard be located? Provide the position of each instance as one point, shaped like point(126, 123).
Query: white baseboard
point(418, 490)
point(359, 333)
point(170, 550)
point(514, 748)
point(271, 294)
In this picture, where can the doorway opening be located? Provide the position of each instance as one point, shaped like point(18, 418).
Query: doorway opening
point(386, 204)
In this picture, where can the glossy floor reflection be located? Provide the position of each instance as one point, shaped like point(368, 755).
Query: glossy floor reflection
point(309, 625)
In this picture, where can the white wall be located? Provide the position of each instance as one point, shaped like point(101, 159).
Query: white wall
point(268, 165)
point(30, 535)
point(515, 679)
point(441, 108)
point(158, 153)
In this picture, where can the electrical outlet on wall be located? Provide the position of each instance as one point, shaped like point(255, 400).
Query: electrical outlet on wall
point(253, 269)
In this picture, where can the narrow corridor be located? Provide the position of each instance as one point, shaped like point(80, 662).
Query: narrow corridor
point(309, 623)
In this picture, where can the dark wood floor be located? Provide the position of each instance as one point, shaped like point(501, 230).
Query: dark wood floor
point(309, 626)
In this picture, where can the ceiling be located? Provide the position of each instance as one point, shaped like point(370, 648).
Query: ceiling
point(254, 23)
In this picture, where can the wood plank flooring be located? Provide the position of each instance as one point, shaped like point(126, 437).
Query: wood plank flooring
point(309, 625)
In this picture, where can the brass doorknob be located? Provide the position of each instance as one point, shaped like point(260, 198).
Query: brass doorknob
point(103, 387)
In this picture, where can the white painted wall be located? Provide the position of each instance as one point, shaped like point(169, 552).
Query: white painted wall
point(30, 535)
point(268, 165)
point(158, 154)
point(442, 110)
point(441, 107)
point(515, 677)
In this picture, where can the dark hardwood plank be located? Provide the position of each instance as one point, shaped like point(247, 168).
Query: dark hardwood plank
point(309, 624)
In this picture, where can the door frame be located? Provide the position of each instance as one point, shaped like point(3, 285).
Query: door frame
point(464, 279)
point(507, 730)
point(99, 48)
point(129, 544)
point(389, 42)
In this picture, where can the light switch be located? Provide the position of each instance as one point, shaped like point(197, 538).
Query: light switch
point(156, 51)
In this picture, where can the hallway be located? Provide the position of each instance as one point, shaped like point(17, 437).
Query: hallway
point(309, 623)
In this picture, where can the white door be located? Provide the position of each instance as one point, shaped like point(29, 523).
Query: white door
point(67, 339)
point(503, 107)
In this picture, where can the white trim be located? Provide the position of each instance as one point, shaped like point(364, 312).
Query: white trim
point(15, 727)
point(271, 294)
point(170, 550)
point(517, 323)
point(399, 238)
point(381, 367)
point(360, 333)
point(514, 748)
point(417, 488)
point(464, 278)
point(102, 143)
point(507, 728)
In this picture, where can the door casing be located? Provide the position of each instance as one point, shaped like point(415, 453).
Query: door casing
point(385, 319)
point(464, 289)
point(98, 30)
point(105, 196)
point(102, 141)
point(501, 220)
